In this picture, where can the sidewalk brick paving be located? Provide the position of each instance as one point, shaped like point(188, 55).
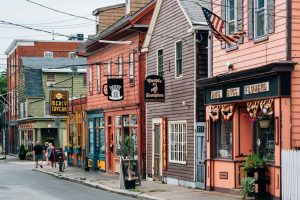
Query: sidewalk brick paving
point(148, 189)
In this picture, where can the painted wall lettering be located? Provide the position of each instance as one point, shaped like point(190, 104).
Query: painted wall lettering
point(256, 88)
point(233, 92)
point(216, 94)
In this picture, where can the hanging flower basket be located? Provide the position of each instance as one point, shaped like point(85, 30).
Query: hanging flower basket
point(252, 108)
point(227, 111)
point(265, 123)
point(214, 112)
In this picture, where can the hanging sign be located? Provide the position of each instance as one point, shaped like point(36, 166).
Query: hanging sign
point(114, 89)
point(154, 89)
point(59, 103)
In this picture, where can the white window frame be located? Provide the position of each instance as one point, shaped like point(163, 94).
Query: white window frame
point(72, 54)
point(45, 114)
point(48, 54)
point(176, 75)
point(131, 69)
point(120, 67)
point(178, 137)
point(91, 81)
point(158, 61)
point(98, 79)
point(265, 18)
point(108, 69)
point(227, 16)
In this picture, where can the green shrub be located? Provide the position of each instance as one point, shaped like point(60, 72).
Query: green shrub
point(248, 187)
point(22, 152)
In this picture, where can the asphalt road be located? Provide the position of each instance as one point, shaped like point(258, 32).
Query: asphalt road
point(19, 182)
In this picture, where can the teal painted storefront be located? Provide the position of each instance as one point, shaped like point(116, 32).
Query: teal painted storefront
point(96, 139)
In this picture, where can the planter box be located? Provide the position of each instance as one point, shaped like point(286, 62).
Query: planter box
point(129, 184)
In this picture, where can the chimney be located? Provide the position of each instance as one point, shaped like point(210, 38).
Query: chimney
point(132, 6)
point(106, 16)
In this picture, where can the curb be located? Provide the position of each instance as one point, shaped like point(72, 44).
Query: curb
point(101, 186)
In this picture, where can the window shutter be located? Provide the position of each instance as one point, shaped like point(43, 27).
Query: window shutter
point(223, 17)
point(250, 19)
point(271, 15)
point(240, 19)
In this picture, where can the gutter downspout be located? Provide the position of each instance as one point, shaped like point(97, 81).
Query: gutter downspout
point(209, 56)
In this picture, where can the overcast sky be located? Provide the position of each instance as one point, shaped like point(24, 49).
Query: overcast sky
point(26, 13)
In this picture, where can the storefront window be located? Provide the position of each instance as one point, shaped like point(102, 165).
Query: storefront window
point(264, 141)
point(91, 136)
point(119, 141)
point(133, 120)
point(126, 120)
point(134, 138)
point(224, 139)
point(102, 141)
point(118, 120)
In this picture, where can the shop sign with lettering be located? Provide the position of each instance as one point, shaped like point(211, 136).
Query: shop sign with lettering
point(256, 88)
point(154, 89)
point(59, 103)
point(115, 89)
point(233, 92)
point(216, 94)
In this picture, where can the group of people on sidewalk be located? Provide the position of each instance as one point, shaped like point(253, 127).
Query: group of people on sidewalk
point(40, 152)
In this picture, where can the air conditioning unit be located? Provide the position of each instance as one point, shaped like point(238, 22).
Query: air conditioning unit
point(50, 84)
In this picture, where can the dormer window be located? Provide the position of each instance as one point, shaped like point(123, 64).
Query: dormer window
point(48, 54)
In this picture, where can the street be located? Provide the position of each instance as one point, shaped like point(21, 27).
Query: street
point(19, 181)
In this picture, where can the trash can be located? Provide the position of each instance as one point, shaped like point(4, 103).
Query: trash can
point(86, 166)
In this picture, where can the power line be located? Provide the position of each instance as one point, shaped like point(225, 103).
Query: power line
point(62, 12)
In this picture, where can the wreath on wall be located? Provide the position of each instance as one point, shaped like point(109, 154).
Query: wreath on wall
point(214, 112)
point(227, 111)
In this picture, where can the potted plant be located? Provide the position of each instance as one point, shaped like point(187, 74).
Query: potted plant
point(248, 187)
point(69, 148)
point(22, 152)
point(77, 149)
point(128, 153)
point(264, 117)
point(253, 163)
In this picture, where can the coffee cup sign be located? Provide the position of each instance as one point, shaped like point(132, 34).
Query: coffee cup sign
point(114, 89)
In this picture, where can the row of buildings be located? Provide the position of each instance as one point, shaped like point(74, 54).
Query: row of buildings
point(205, 119)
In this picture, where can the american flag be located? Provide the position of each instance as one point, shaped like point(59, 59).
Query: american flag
point(216, 25)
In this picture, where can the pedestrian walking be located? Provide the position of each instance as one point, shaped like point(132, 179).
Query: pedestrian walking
point(38, 154)
point(46, 152)
point(51, 154)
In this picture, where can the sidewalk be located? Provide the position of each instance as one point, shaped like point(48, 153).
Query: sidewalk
point(148, 189)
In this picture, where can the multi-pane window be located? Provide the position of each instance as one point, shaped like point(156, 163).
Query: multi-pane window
point(50, 77)
point(91, 135)
point(230, 17)
point(47, 108)
point(108, 69)
point(179, 59)
point(84, 80)
point(72, 55)
point(120, 67)
point(98, 78)
point(177, 141)
point(224, 139)
point(91, 81)
point(260, 18)
point(131, 68)
point(48, 54)
point(160, 62)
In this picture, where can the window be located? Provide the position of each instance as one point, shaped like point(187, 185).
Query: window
point(98, 79)
point(260, 18)
point(50, 77)
point(84, 80)
point(48, 54)
point(179, 59)
point(224, 139)
point(120, 67)
point(47, 108)
point(118, 135)
point(230, 17)
point(177, 142)
point(91, 135)
point(91, 81)
point(264, 141)
point(108, 69)
point(160, 62)
point(131, 69)
point(72, 55)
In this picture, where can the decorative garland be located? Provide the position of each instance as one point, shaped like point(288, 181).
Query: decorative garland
point(252, 108)
point(214, 112)
point(266, 106)
point(227, 111)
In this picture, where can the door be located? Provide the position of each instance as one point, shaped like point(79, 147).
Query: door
point(200, 155)
point(157, 154)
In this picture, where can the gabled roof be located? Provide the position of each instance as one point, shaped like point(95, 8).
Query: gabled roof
point(118, 25)
point(192, 11)
point(35, 66)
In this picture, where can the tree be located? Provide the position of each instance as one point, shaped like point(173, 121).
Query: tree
point(3, 97)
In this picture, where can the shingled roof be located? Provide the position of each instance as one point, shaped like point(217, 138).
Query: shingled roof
point(34, 67)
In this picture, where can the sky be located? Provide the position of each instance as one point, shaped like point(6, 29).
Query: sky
point(26, 13)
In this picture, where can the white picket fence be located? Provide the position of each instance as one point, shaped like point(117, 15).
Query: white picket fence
point(290, 174)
